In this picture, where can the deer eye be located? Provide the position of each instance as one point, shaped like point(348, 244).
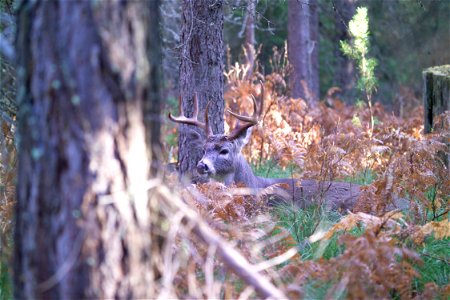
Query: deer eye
point(224, 151)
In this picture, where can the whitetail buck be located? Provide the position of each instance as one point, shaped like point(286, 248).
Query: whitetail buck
point(223, 161)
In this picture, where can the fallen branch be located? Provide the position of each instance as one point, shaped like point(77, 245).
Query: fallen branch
point(441, 214)
point(230, 256)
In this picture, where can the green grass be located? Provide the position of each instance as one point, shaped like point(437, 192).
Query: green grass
point(436, 263)
point(316, 290)
point(5, 282)
point(271, 169)
point(302, 223)
point(363, 178)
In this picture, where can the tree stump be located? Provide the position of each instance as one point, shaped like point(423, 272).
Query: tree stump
point(436, 100)
point(436, 95)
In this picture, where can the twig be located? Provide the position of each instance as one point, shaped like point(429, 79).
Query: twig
point(230, 256)
point(276, 260)
point(441, 214)
point(235, 261)
point(436, 257)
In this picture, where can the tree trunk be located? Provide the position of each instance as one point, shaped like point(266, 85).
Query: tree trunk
point(436, 100)
point(153, 103)
point(436, 94)
point(250, 40)
point(170, 28)
point(82, 218)
point(344, 75)
point(303, 44)
point(201, 72)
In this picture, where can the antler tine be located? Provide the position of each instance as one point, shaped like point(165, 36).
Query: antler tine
point(251, 119)
point(256, 113)
point(182, 119)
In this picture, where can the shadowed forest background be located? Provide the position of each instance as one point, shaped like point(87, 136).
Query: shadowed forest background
point(103, 195)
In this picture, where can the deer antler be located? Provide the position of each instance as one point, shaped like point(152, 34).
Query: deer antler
point(251, 120)
point(182, 119)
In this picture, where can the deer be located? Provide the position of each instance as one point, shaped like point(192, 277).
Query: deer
point(224, 162)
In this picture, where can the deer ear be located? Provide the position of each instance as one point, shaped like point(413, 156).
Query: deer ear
point(242, 134)
point(247, 137)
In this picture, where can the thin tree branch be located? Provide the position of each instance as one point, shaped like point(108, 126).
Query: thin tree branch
point(230, 256)
point(436, 257)
point(441, 214)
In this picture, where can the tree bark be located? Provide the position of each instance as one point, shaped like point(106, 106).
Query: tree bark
point(201, 72)
point(250, 40)
point(303, 45)
point(82, 218)
point(436, 101)
point(436, 94)
point(153, 104)
point(344, 75)
point(171, 33)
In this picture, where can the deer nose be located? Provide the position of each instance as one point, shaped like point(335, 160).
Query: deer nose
point(202, 168)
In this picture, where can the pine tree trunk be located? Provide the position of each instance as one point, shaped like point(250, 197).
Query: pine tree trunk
point(344, 75)
point(250, 40)
point(201, 72)
point(82, 218)
point(303, 45)
point(153, 104)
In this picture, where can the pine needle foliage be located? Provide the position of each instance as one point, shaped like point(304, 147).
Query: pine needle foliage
point(358, 50)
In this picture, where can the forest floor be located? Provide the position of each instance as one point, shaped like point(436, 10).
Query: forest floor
point(370, 252)
point(311, 253)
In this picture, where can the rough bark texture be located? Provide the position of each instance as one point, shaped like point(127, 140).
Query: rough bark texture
point(303, 46)
point(436, 100)
point(344, 75)
point(153, 104)
point(250, 40)
point(436, 94)
point(201, 72)
point(82, 219)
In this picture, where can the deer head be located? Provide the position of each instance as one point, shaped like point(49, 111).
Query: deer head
point(222, 156)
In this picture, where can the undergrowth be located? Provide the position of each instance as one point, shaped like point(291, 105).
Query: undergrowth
point(5, 282)
point(370, 252)
point(7, 202)
point(373, 252)
point(271, 169)
point(303, 223)
point(436, 263)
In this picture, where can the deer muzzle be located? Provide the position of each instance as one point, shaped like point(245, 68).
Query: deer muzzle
point(204, 168)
